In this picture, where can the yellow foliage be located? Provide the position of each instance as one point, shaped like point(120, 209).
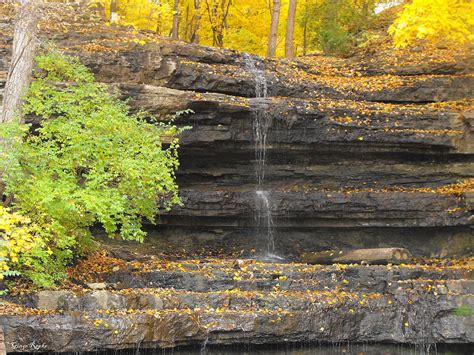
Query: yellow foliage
point(245, 28)
point(441, 22)
point(18, 237)
point(25, 248)
point(143, 14)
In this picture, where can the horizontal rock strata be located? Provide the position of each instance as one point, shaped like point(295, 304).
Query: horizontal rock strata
point(159, 305)
point(356, 173)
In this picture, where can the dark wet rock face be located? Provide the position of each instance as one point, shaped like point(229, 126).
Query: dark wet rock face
point(349, 162)
point(70, 333)
point(340, 174)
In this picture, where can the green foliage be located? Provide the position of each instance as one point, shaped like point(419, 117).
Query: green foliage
point(333, 38)
point(463, 312)
point(334, 25)
point(89, 162)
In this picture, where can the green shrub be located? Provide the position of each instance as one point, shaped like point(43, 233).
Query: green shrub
point(463, 312)
point(334, 39)
point(89, 162)
point(335, 26)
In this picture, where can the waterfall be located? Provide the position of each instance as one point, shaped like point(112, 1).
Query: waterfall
point(261, 124)
point(262, 120)
point(264, 220)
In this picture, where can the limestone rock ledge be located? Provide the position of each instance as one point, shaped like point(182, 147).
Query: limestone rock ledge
point(192, 303)
point(358, 173)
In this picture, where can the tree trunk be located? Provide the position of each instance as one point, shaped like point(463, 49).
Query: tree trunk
point(113, 11)
point(273, 36)
point(333, 10)
point(197, 22)
point(175, 29)
point(290, 30)
point(365, 11)
point(19, 74)
point(305, 38)
point(19, 77)
point(220, 38)
point(187, 24)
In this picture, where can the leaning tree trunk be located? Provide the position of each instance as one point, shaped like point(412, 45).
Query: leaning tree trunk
point(175, 28)
point(19, 75)
point(305, 37)
point(273, 36)
point(290, 30)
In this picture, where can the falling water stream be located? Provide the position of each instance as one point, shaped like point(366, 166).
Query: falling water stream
point(261, 124)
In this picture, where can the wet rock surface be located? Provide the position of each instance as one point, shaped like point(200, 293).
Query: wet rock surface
point(373, 256)
point(348, 171)
point(158, 304)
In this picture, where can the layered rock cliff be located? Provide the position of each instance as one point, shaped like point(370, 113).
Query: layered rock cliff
point(367, 151)
point(160, 304)
point(365, 159)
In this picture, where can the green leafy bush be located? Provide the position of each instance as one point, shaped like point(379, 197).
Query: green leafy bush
point(335, 26)
point(89, 162)
point(334, 39)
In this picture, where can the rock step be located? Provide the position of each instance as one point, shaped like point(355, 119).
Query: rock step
point(209, 265)
point(235, 299)
point(389, 204)
point(221, 277)
point(235, 80)
point(411, 318)
point(269, 303)
point(202, 283)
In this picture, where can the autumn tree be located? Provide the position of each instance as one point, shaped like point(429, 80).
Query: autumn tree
point(217, 12)
point(273, 36)
point(243, 25)
point(113, 11)
point(441, 22)
point(252, 25)
point(154, 15)
point(290, 30)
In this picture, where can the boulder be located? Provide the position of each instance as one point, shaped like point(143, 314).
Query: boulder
point(52, 299)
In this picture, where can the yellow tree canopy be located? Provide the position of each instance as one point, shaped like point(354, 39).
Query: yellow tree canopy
point(320, 24)
point(142, 14)
point(246, 27)
point(441, 22)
